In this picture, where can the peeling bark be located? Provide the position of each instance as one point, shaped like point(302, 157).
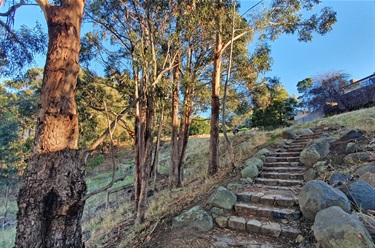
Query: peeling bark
point(50, 206)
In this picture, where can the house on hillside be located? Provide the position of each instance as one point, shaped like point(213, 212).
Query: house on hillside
point(356, 95)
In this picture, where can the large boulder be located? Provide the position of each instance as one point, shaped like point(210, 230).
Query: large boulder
point(250, 171)
point(357, 157)
point(362, 194)
point(222, 198)
point(363, 169)
point(258, 162)
point(195, 217)
point(353, 135)
point(334, 228)
point(317, 195)
point(314, 152)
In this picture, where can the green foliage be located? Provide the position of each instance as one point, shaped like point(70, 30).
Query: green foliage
point(18, 108)
point(277, 114)
point(199, 125)
point(18, 46)
point(95, 161)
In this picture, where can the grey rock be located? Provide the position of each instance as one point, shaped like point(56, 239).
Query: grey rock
point(335, 228)
point(264, 152)
point(357, 157)
point(309, 156)
point(314, 152)
point(261, 157)
point(362, 194)
point(222, 198)
point(305, 131)
point(247, 180)
point(234, 186)
point(363, 169)
point(254, 161)
point(369, 223)
point(338, 178)
point(289, 134)
point(317, 195)
point(368, 177)
point(326, 135)
point(217, 212)
point(310, 174)
point(352, 148)
point(250, 171)
point(353, 135)
point(195, 217)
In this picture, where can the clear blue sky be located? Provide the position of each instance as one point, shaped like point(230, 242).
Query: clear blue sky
point(349, 47)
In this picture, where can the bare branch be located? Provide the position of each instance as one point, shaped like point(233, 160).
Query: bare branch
point(234, 39)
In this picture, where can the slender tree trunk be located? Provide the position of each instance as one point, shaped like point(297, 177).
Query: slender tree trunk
point(6, 205)
point(174, 174)
point(155, 163)
point(49, 201)
point(184, 131)
point(215, 104)
point(229, 143)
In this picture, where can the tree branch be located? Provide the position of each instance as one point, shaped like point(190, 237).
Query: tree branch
point(43, 4)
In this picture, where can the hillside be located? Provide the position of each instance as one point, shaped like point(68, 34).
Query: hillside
point(108, 218)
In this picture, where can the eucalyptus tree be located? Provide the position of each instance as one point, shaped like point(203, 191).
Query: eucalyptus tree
point(270, 21)
point(140, 34)
point(50, 199)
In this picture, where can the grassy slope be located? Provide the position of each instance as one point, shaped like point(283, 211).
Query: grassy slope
point(100, 223)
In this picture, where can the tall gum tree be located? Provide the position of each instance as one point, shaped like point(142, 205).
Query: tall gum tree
point(49, 201)
point(280, 16)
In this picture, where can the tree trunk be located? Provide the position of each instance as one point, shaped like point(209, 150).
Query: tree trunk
point(155, 163)
point(215, 104)
point(49, 201)
point(174, 174)
point(6, 205)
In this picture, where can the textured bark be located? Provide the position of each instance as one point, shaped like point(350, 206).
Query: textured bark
point(215, 104)
point(50, 209)
point(50, 206)
point(174, 177)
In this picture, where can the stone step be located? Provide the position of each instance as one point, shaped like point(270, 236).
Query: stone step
point(300, 142)
point(288, 149)
point(273, 213)
point(294, 189)
point(295, 145)
point(278, 175)
point(282, 159)
point(272, 229)
point(279, 182)
point(268, 199)
point(285, 169)
point(281, 164)
point(285, 154)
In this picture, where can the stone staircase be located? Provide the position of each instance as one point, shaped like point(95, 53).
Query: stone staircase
point(270, 206)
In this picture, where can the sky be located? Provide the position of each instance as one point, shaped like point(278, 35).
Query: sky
point(349, 47)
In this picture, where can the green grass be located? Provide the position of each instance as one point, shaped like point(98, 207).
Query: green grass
point(7, 237)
